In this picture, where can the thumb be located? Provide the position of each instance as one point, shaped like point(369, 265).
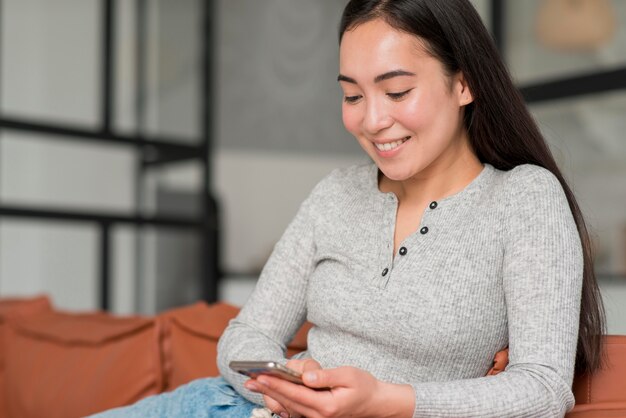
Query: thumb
point(310, 365)
point(329, 378)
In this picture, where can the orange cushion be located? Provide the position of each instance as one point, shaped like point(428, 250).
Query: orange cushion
point(609, 383)
point(14, 308)
point(72, 365)
point(190, 336)
point(599, 410)
point(189, 341)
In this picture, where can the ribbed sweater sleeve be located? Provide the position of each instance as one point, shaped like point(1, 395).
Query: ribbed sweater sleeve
point(277, 307)
point(542, 279)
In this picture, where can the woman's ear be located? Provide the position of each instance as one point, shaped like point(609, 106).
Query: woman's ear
point(463, 91)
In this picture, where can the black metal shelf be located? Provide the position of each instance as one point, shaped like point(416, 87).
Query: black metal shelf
point(155, 150)
point(137, 219)
point(575, 86)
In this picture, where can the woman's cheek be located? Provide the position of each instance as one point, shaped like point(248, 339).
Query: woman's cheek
point(411, 114)
point(350, 118)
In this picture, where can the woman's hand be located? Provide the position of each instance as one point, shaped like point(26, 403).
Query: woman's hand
point(340, 392)
point(301, 366)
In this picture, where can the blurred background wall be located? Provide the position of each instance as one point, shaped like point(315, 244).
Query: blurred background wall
point(275, 131)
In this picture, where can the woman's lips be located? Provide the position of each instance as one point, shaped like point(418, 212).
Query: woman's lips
point(388, 148)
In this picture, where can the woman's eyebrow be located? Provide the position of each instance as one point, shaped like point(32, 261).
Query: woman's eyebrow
point(347, 79)
point(392, 74)
point(378, 78)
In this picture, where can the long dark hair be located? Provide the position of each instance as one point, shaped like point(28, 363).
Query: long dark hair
point(501, 129)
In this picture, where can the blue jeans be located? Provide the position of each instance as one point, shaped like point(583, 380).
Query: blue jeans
point(201, 398)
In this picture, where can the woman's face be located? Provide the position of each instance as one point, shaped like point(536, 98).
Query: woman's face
point(406, 113)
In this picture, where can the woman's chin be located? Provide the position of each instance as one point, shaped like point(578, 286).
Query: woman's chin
point(395, 174)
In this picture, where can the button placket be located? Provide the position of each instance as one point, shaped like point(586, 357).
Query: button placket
point(432, 206)
point(385, 260)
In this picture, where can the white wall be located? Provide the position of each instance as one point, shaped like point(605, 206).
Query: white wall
point(614, 296)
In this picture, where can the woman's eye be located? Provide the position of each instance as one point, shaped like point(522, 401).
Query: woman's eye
point(398, 96)
point(351, 99)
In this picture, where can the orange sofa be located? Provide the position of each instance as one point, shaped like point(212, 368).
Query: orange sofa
point(60, 364)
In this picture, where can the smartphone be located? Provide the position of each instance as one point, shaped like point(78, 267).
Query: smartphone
point(270, 368)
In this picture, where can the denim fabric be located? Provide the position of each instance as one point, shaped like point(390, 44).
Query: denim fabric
point(202, 398)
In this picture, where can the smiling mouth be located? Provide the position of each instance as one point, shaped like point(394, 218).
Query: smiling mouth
point(392, 145)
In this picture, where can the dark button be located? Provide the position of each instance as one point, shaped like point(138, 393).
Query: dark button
point(385, 271)
point(403, 251)
point(433, 205)
point(424, 230)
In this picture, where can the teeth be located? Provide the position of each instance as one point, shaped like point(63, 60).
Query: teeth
point(392, 145)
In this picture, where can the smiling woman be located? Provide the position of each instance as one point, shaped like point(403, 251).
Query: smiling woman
point(459, 239)
point(407, 114)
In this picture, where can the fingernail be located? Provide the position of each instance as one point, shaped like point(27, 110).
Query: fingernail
point(284, 415)
point(310, 376)
point(252, 386)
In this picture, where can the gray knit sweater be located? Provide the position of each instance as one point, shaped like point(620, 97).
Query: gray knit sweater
point(497, 264)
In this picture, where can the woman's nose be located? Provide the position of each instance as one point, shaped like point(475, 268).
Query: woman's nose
point(376, 118)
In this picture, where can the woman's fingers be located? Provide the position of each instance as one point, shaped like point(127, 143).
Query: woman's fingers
point(296, 399)
point(330, 378)
point(310, 365)
point(274, 406)
point(277, 408)
point(292, 408)
point(303, 365)
point(270, 403)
